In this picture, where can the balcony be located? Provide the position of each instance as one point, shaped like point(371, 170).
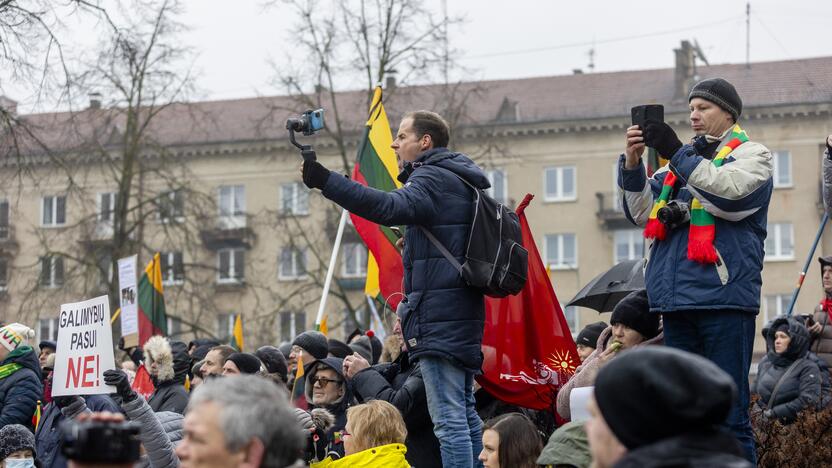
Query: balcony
point(228, 232)
point(610, 212)
point(7, 239)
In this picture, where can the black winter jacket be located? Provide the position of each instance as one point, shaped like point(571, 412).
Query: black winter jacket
point(20, 392)
point(48, 435)
point(337, 408)
point(400, 384)
point(170, 395)
point(717, 449)
point(441, 315)
point(800, 389)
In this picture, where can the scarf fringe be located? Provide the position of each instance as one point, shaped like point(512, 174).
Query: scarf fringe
point(655, 229)
point(701, 251)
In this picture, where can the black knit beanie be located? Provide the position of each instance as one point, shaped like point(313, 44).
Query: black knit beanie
point(652, 393)
point(721, 93)
point(589, 335)
point(313, 342)
point(338, 348)
point(247, 363)
point(273, 360)
point(15, 437)
point(634, 312)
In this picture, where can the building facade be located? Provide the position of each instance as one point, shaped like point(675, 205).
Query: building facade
point(239, 232)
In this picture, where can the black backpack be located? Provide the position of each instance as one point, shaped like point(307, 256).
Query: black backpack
point(495, 260)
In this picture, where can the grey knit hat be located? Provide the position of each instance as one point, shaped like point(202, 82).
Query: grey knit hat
point(314, 343)
point(721, 93)
point(15, 437)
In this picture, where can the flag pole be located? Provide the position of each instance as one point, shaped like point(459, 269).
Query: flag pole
point(332, 260)
point(808, 262)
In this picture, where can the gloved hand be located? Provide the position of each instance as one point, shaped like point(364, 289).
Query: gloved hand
point(118, 379)
point(314, 174)
point(662, 138)
point(64, 401)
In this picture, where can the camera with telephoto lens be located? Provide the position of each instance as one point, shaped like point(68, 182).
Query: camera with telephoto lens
point(309, 122)
point(674, 214)
point(101, 441)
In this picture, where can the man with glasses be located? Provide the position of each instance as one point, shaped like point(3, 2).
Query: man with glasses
point(327, 388)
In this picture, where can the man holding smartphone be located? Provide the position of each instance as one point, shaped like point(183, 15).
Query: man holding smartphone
point(442, 318)
point(705, 213)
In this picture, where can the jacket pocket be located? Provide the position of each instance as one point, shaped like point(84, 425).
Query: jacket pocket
point(410, 323)
point(721, 268)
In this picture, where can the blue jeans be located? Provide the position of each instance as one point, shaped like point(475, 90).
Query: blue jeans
point(725, 337)
point(450, 395)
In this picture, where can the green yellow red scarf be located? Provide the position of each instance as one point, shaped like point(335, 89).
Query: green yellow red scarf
point(702, 225)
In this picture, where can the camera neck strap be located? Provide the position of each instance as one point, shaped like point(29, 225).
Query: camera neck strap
point(702, 224)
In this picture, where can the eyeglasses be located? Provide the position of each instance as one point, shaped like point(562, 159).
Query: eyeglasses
point(323, 381)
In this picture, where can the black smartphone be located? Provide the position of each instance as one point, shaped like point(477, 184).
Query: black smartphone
point(641, 114)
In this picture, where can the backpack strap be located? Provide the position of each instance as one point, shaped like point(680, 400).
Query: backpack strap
point(442, 249)
point(780, 381)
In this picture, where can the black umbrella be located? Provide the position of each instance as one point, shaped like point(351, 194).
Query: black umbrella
point(606, 289)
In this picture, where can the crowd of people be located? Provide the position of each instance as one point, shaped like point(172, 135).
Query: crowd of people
point(666, 383)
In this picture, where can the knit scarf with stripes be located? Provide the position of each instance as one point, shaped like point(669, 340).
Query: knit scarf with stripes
point(9, 369)
point(702, 225)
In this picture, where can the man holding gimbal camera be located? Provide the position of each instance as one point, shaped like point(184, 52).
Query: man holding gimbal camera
point(705, 213)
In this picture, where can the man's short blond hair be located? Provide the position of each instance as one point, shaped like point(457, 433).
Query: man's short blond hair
point(375, 423)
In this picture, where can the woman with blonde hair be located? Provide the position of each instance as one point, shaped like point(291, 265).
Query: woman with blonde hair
point(374, 436)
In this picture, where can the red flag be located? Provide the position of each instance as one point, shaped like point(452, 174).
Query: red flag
point(528, 348)
point(142, 383)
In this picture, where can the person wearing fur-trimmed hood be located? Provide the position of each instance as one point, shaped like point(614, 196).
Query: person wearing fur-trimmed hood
point(168, 364)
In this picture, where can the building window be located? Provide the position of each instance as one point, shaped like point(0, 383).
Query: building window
point(780, 242)
point(561, 251)
point(776, 305)
point(4, 273)
point(54, 211)
point(354, 260)
point(106, 206)
point(173, 268)
point(232, 200)
point(104, 261)
point(629, 245)
point(292, 263)
point(51, 271)
point(571, 315)
point(4, 219)
point(559, 183)
point(782, 169)
point(174, 326)
point(499, 185)
point(225, 326)
point(171, 206)
point(294, 199)
point(231, 265)
point(617, 202)
point(361, 320)
point(292, 324)
point(48, 329)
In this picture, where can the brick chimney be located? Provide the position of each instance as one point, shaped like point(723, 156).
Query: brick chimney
point(95, 100)
point(685, 76)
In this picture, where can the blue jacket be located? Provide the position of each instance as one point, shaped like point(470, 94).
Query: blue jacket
point(48, 435)
point(737, 195)
point(20, 392)
point(441, 315)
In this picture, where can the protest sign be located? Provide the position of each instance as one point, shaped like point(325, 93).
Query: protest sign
point(85, 348)
point(127, 299)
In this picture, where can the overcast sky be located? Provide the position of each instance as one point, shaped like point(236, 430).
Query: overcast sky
point(520, 38)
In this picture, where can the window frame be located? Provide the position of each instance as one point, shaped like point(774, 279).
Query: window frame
point(296, 253)
point(561, 266)
point(297, 188)
point(54, 211)
point(634, 244)
point(559, 196)
point(489, 173)
point(776, 167)
point(775, 234)
point(169, 270)
point(53, 284)
point(176, 210)
point(361, 270)
point(232, 266)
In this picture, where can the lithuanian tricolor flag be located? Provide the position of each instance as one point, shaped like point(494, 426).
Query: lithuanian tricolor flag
point(237, 336)
point(152, 317)
point(376, 167)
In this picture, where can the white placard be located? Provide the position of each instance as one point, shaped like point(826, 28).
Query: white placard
point(578, 399)
point(85, 348)
point(128, 295)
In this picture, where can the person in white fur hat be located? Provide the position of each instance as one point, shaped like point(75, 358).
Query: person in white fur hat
point(20, 378)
